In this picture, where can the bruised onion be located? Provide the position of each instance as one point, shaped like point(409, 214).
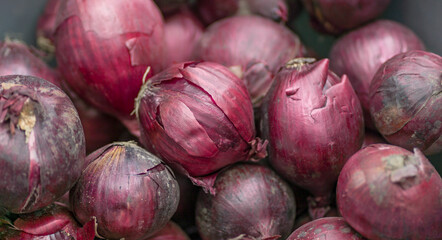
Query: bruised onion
point(103, 48)
point(182, 31)
point(387, 192)
point(42, 145)
point(198, 117)
point(360, 53)
point(170, 232)
point(406, 100)
point(254, 48)
point(338, 16)
point(313, 121)
point(130, 192)
point(251, 202)
point(17, 58)
point(46, 26)
point(330, 228)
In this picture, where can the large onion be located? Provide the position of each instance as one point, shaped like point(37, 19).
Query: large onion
point(42, 145)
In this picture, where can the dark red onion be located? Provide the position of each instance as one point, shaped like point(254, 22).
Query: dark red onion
point(254, 48)
point(314, 123)
point(372, 137)
point(405, 101)
point(360, 53)
point(104, 47)
point(170, 232)
point(17, 58)
point(42, 145)
point(338, 16)
point(131, 192)
point(46, 26)
point(330, 228)
point(387, 192)
point(182, 32)
point(213, 10)
point(198, 117)
point(251, 202)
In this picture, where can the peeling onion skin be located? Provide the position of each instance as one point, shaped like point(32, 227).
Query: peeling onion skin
point(46, 26)
point(198, 117)
point(361, 52)
point(42, 146)
point(330, 228)
point(406, 101)
point(337, 16)
point(387, 192)
point(16, 58)
point(310, 100)
point(251, 201)
point(253, 47)
point(130, 191)
point(170, 232)
point(104, 47)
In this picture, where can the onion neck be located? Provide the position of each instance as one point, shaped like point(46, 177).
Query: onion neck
point(403, 169)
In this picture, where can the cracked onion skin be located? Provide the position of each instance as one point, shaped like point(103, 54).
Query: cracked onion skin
point(406, 101)
point(251, 202)
point(130, 192)
point(387, 192)
point(329, 228)
point(253, 47)
point(104, 47)
point(313, 121)
point(361, 52)
point(42, 146)
point(198, 117)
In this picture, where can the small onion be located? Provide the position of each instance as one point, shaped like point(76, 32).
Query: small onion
point(170, 232)
point(329, 228)
point(406, 101)
point(387, 192)
point(42, 145)
point(254, 48)
point(337, 16)
point(251, 202)
point(360, 53)
point(313, 121)
point(198, 117)
point(46, 26)
point(130, 192)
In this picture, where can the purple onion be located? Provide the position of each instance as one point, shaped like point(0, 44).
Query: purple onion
point(329, 228)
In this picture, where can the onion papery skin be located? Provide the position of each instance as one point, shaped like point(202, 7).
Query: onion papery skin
point(251, 202)
point(405, 101)
point(42, 146)
point(46, 26)
point(314, 123)
point(253, 47)
point(387, 192)
point(16, 58)
point(337, 16)
point(182, 32)
point(198, 117)
point(130, 192)
point(104, 47)
point(170, 232)
point(330, 228)
point(361, 52)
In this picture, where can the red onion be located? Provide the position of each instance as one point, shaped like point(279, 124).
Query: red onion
point(387, 192)
point(251, 202)
point(46, 26)
point(213, 10)
point(253, 47)
point(314, 123)
point(131, 192)
point(50, 223)
point(170, 232)
point(17, 58)
point(198, 117)
point(360, 53)
point(182, 32)
point(103, 48)
point(405, 100)
point(338, 16)
point(41, 143)
point(330, 228)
